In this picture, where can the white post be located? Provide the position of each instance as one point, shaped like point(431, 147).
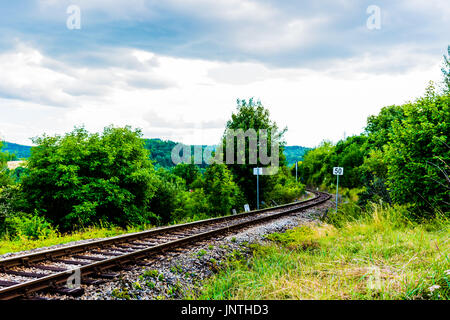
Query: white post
point(257, 189)
point(337, 192)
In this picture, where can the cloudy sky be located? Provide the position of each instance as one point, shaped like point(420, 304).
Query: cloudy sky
point(175, 68)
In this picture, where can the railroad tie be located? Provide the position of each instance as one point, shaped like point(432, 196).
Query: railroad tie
point(74, 262)
point(89, 258)
point(91, 282)
point(105, 275)
point(49, 268)
point(73, 292)
point(26, 274)
point(107, 253)
point(4, 283)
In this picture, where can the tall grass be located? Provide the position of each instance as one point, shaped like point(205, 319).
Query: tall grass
point(376, 253)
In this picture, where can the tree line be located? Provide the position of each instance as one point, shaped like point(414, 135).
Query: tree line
point(403, 155)
point(81, 179)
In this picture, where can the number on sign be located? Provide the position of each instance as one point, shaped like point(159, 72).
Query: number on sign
point(338, 171)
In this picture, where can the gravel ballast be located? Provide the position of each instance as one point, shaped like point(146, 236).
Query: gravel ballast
point(180, 273)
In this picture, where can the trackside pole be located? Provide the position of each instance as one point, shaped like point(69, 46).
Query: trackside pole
point(257, 171)
point(257, 189)
point(337, 171)
point(337, 192)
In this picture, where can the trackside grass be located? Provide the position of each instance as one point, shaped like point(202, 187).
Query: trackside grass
point(375, 254)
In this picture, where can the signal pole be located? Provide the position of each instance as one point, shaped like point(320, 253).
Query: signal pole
point(337, 171)
point(337, 192)
point(257, 171)
point(257, 191)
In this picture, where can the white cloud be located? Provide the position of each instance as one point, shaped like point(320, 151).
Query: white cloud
point(29, 76)
point(200, 95)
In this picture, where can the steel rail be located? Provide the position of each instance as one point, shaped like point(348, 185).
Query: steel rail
point(25, 260)
point(53, 280)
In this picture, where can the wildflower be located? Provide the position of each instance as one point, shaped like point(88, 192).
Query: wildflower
point(434, 287)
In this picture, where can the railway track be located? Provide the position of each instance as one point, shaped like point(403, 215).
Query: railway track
point(50, 270)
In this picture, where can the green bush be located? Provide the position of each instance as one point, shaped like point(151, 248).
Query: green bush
point(222, 193)
point(80, 179)
point(284, 188)
point(168, 197)
point(419, 156)
point(403, 157)
point(28, 226)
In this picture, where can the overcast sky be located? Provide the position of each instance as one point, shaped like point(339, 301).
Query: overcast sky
point(175, 68)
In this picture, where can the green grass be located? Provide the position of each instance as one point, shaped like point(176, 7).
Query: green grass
point(378, 255)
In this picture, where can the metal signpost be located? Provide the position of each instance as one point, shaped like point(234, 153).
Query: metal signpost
point(257, 172)
point(296, 168)
point(337, 171)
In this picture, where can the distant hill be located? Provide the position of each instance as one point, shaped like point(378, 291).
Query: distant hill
point(20, 151)
point(160, 151)
point(295, 153)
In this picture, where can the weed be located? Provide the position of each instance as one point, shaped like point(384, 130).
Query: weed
point(201, 253)
point(121, 294)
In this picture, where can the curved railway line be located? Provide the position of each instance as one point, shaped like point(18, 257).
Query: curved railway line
point(49, 270)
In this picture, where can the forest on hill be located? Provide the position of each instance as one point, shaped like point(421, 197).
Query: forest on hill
point(15, 151)
point(160, 152)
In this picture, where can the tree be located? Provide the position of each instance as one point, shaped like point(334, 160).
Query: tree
point(222, 193)
point(418, 152)
point(379, 127)
point(4, 172)
point(188, 172)
point(168, 195)
point(446, 71)
point(285, 189)
point(315, 167)
point(82, 178)
point(253, 115)
point(318, 164)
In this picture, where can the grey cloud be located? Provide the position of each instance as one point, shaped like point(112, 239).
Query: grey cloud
point(110, 57)
point(148, 82)
point(292, 33)
point(156, 121)
point(85, 89)
point(36, 95)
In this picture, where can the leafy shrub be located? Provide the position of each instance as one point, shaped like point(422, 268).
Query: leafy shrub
point(403, 157)
point(168, 197)
point(418, 157)
point(221, 191)
point(79, 179)
point(28, 226)
point(11, 201)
